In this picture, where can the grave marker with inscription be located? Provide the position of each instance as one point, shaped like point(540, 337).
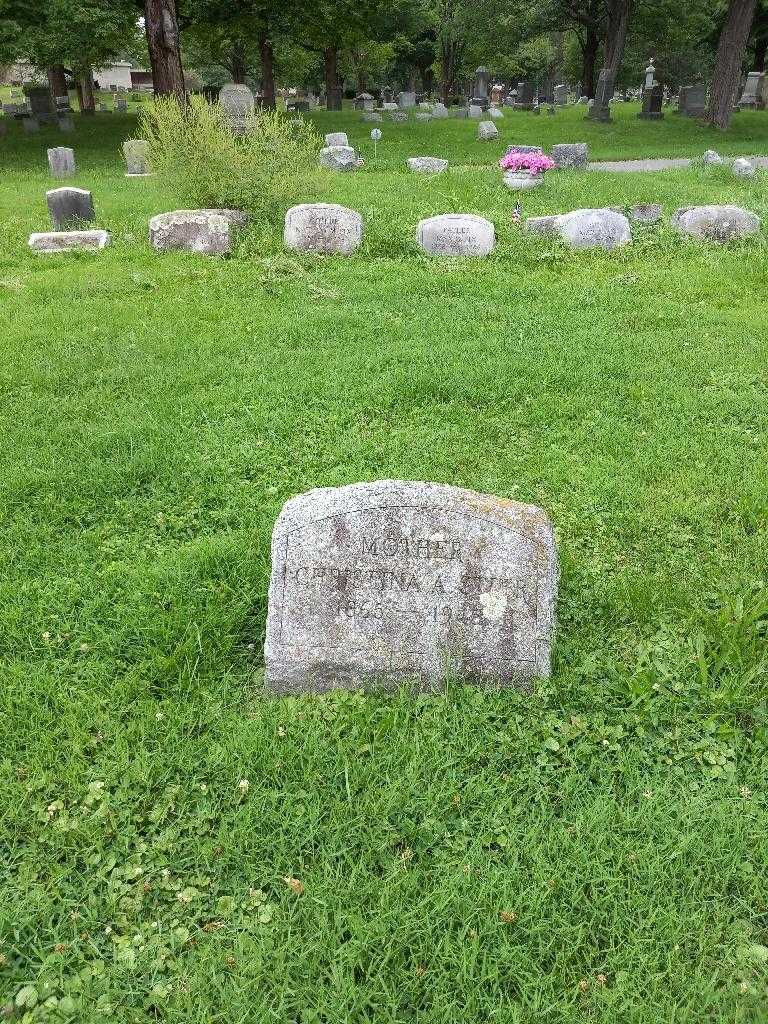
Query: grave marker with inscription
point(323, 227)
point(456, 234)
point(390, 581)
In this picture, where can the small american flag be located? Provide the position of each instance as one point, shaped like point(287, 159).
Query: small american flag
point(517, 214)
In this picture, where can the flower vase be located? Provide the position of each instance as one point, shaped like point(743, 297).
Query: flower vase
point(522, 179)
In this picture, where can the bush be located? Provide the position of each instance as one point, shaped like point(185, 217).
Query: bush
point(265, 170)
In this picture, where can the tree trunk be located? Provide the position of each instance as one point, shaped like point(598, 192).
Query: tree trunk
point(267, 71)
point(332, 87)
point(57, 80)
point(237, 62)
point(619, 12)
point(85, 92)
point(761, 47)
point(162, 30)
point(730, 54)
point(591, 46)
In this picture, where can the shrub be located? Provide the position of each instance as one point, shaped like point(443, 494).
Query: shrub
point(192, 148)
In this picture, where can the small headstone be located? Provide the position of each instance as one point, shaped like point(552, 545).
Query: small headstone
point(536, 109)
point(568, 155)
point(70, 207)
point(712, 158)
point(752, 95)
point(30, 125)
point(427, 164)
point(487, 131)
point(336, 139)
point(67, 241)
point(647, 213)
point(102, 108)
point(585, 229)
point(121, 105)
point(406, 100)
point(372, 116)
point(398, 116)
point(480, 88)
point(475, 111)
point(716, 223)
point(136, 154)
point(209, 232)
point(652, 102)
point(456, 234)
point(692, 100)
point(542, 225)
point(338, 158)
point(389, 582)
point(743, 168)
point(364, 101)
point(323, 228)
point(459, 112)
point(388, 105)
point(422, 115)
point(238, 103)
point(561, 95)
point(439, 111)
point(61, 161)
point(41, 103)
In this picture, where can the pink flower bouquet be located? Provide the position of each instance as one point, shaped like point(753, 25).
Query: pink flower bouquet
point(534, 163)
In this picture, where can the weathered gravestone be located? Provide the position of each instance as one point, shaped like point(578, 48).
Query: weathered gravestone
point(524, 97)
point(480, 88)
point(715, 223)
point(70, 207)
point(600, 109)
point(653, 99)
point(238, 103)
point(406, 100)
point(456, 234)
point(61, 161)
point(336, 139)
point(561, 95)
point(68, 241)
point(427, 164)
point(692, 100)
point(210, 232)
point(41, 103)
point(121, 105)
point(323, 228)
point(338, 158)
point(393, 581)
point(487, 131)
point(439, 111)
point(66, 123)
point(743, 168)
point(752, 96)
point(364, 101)
point(136, 154)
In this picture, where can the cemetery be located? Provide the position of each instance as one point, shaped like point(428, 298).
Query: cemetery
point(385, 618)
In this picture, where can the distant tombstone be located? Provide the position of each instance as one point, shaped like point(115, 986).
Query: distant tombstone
point(384, 583)
point(561, 95)
point(497, 94)
point(121, 105)
point(364, 101)
point(536, 109)
point(653, 97)
point(338, 158)
point(372, 116)
point(650, 76)
point(406, 100)
point(480, 88)
point(475, 111)
point(456, 234)
point(715, 223)
point(30, 124)
point(102, 108)
point(63, 105)
point(209, 232)
point(69, 207)
point(440, 111)
point(323, 228)
point(510, 98)
point(386, 94)
point(743, 168)
point(692, 100)
point(336, 139)
point(600, 109)
point(495, 113)
point(136, 155)
point(399, 116)
point(752, 96)
point(238, 103)
point(422, 115)
point(68, 241)
point(524, 99)
point(61, 162)
point(41, 103)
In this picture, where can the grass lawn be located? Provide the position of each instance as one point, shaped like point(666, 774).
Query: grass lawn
point(596, 851)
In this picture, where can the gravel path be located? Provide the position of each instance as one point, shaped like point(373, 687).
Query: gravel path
point(658, 165)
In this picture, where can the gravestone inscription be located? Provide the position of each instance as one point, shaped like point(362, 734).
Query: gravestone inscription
point(69, 207)
point(381, 582)
point(323, 228)
point(456, 234)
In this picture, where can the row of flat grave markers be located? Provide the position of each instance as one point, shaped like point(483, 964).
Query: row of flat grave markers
point(392, 582)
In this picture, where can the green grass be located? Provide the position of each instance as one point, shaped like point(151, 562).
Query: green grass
point(596, 851)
